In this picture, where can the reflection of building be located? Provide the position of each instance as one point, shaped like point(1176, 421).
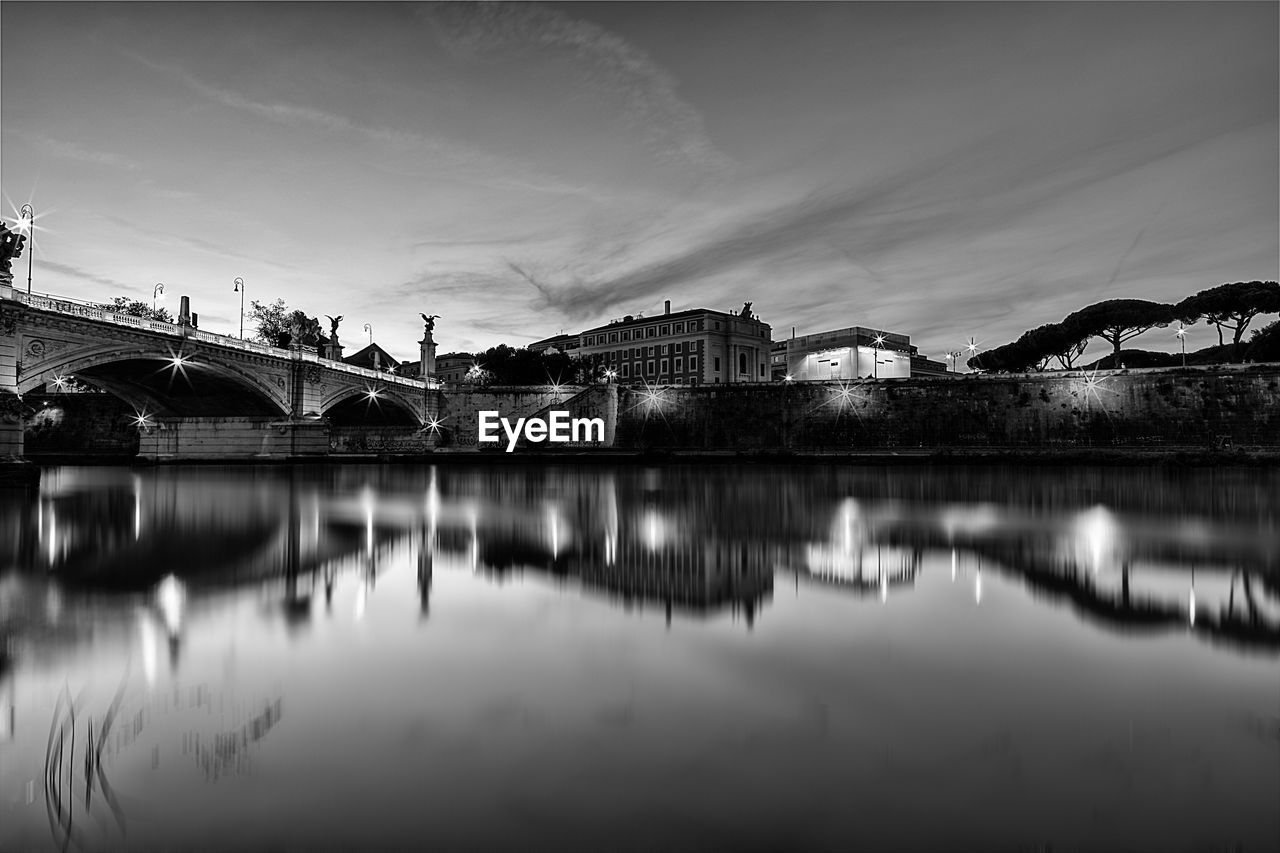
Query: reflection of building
point(852, 353)
point(690, 347)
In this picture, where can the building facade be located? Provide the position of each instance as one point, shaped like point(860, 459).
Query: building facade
point(698, 346)
point(852, 353)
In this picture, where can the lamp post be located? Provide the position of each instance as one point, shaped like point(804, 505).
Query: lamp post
point(972, 348)
point(155, 293)
point(27, 217)
point(875, 368)
point(1182, 339)
point(239, 283)
point(368, 328)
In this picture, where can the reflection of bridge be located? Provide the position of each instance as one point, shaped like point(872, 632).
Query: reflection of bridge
point(680, 540)
point(191, 388)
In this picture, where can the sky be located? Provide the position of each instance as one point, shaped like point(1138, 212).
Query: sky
point(946, 171)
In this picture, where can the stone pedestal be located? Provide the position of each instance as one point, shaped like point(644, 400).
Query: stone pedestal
point(427, 352)
point(333, 350)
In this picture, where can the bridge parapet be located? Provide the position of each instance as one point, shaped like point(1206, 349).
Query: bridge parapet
point(90, 311)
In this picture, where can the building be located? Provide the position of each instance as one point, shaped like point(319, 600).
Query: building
point(694, 347)
point(373, 357)
point(556, 343)
point(450, 367)
point(852, 353)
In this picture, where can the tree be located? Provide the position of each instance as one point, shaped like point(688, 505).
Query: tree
point(504, 365)
point(276, 324)
point(1119, 320)
point(1064, 341)
point(1232, 306)
point(137, 308)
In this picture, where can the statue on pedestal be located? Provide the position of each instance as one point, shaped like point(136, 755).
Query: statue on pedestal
point(430, 321)
point(333, 328)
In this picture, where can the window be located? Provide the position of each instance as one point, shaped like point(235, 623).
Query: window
point(717, 325)
point(626, 336)
point(742, 362)
point(761, 369)
point(636, 369)
point(717, 365)
point(679, 365)
point(665, 330)
point(678, 347)
point(626, 370)
point(648, 368)
point(679, 380)
point(665, 348)
point(693, 362)
point(651, 352)
point(665, 366)
point(649, 332)
point(613, 337)
point(679, 328)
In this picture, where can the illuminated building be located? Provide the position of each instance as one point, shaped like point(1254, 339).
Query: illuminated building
point(692, 347)
point(852, 353)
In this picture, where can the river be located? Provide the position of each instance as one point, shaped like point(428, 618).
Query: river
point(761, 657)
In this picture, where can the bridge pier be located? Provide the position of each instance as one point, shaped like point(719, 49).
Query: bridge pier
point(10, 414)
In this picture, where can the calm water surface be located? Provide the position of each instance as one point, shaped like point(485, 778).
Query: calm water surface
point(760, 658)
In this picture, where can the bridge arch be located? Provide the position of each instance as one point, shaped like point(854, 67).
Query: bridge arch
point(194, 383)
point(367, 404)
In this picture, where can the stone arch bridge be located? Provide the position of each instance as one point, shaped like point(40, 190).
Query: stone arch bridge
point(193, 390)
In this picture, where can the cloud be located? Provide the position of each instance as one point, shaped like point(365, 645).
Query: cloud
point(986, 189)
point(76, 272)
point(72, 151)
point(611, 68)
point(490, 170)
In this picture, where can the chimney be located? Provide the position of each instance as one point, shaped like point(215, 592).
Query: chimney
point(667, 307)
point(184, 312)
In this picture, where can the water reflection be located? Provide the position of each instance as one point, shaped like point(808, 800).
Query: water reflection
point(154, 573)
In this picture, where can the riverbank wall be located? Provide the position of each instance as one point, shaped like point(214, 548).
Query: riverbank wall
point(1163, 408)
point(1199, 413)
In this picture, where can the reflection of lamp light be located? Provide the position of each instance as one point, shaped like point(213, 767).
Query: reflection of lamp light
point(169, 598)
point(653, 530)
point(977, 586)
point(1191, 603)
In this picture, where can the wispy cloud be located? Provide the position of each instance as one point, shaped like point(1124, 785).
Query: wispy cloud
point(608, 66)
point(76, 272)
point(950, 202)
point(480, 167)
point(74, 151)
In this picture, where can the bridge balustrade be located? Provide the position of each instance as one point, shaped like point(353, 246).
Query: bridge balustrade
point(92, 311)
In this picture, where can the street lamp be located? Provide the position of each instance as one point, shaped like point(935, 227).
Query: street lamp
point(156, 292)
point(875, 368)
point(369, 329)
point(27, 219)
point(239, 283)
point(972, 347)
point(1182, 339)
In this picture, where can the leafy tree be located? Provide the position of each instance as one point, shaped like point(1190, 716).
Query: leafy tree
point(1232, 306)
point(137, 308)
point(1119, 320)
point(1064, 341)
point(504, 365)
point(1264, 344)
point(276, 324)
